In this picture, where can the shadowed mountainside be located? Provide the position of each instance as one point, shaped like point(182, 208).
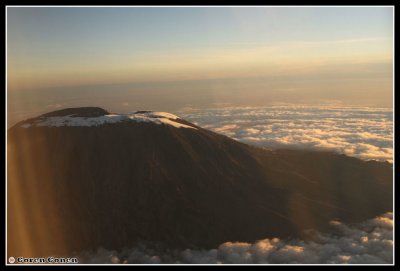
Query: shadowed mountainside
point(114, 184)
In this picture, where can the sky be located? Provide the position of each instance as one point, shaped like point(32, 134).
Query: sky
point(240, 55)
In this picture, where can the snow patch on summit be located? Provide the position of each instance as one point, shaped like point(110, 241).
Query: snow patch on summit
point(70, 120)
point(163, 115)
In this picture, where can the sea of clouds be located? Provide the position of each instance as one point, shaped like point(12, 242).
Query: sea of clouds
point(366, 133)
point(370, 242)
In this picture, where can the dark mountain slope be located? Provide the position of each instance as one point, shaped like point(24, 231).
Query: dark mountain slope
point(81, 187)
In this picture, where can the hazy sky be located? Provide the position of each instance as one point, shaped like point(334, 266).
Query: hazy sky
point(337, 53)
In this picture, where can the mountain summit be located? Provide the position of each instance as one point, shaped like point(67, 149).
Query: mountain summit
point(94, 116)
point(83, 178)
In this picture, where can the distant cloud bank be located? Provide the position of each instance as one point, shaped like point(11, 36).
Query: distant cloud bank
point(366, 133)
point(370, 242)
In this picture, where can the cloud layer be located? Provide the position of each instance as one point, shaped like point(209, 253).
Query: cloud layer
point(370, 242)
point(366, 133)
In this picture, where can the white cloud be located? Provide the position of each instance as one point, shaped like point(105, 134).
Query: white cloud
point(365, 243)
point(228, 129)
point(366, 133)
